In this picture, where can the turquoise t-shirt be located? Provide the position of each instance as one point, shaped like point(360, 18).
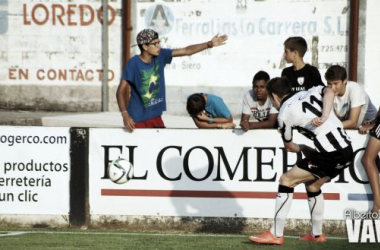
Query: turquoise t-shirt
point(147, 81)
point(216, 107)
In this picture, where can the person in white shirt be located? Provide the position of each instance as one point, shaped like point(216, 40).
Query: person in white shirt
point(352, 104)
point(258, 111)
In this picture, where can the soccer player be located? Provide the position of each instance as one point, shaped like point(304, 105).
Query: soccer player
point(310, 113)
point(257, 104)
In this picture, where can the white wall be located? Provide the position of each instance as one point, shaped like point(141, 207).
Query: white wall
point(372, 51)
point(256, 32)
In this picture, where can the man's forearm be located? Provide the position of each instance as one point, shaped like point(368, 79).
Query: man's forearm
point(292, 147)
point(328, 100)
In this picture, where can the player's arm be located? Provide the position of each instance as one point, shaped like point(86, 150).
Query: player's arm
point(287, 137)
point(328, 100)
point(353, 119)
point(291, 147)
point(192, 49)
point(122, 97)
point(295, 148)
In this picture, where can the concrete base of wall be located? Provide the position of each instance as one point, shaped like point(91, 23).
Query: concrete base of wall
point(172, 224)
point(210, 224)
point(88, 98)
point(34, 221)
point(51, 98)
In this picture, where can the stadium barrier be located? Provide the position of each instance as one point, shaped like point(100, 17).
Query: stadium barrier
point(191, 179)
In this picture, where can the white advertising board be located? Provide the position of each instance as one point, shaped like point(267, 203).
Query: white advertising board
point(34, 170)
point(217, 173)
point(256, 31)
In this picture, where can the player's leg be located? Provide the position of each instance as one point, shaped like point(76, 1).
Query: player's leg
point(284, 200)
point(295, 176)
point(316, 206)
point(368, 161)
point(284, 197)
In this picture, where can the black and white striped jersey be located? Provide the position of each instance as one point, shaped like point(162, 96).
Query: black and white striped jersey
point(299, 110)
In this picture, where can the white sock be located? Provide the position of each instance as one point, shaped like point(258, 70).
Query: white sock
point(283, 203)
point(316, 206)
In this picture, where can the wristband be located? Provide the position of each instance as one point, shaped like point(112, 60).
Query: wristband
point(124, 112)
point(209, 44)
point(210, 120)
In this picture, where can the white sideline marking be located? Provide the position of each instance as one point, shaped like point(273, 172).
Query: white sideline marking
point(3, 234)
point(146, 234)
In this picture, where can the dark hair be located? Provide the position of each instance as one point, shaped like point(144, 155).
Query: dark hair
point(279, 86)
point(261, 75)
point(335, 73)
point(296, 43)
point(196, 103)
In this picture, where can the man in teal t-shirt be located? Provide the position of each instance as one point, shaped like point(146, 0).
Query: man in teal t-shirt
point(141, 93)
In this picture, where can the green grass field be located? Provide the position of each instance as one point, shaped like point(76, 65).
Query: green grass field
point(94, 240)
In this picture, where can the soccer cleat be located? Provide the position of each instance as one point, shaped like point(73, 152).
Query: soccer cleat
point(309, 237)
point(267, 238)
